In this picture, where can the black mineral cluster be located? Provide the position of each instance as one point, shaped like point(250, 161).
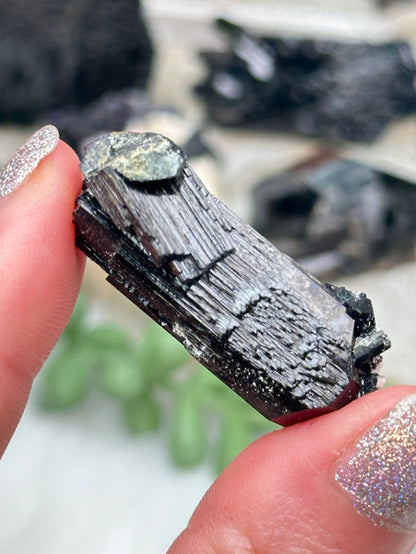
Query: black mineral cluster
point(55, 54)
point(369, 342)
point(337, 216)
point(319, 88)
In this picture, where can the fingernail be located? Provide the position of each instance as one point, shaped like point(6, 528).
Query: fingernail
point(27, 158)
point(380, 471)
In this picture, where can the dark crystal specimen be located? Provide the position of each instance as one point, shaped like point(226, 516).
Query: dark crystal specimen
point(55, 54)
point(111, 111)
point(385, 3)
point(245, 310)
point(313, 87)
point(369, 341)
point(337, 216)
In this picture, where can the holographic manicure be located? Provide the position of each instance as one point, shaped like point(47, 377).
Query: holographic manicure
point(380, 472)
point(27, 158)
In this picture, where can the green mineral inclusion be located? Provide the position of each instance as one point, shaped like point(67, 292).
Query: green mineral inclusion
point(138, 157)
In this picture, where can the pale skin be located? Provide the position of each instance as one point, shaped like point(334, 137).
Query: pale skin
point(278, 496)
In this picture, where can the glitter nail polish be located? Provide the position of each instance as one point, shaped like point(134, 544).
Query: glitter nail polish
point(380, 471)
point(27, 157)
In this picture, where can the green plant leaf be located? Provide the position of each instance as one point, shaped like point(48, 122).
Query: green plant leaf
point(75, 325)
point(104, 356)
point(66, 380)
point(188, 440)
point(235, 436)
point(142, 414)
point(158, 353)
point(120, 376)
point(107, 337)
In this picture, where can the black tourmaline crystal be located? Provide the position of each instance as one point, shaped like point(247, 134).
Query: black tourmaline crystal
point(288, 345)
point(68, 53)
point(313, 87)
point(336, 215)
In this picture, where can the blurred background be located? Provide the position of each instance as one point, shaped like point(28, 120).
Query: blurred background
point(300, 116)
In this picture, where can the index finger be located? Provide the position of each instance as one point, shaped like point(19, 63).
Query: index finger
point(41, 272)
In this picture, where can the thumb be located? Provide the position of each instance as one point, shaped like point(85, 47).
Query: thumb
point(341, 483)
point(41, 269)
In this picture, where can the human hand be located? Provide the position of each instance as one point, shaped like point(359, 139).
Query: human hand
point(281, 494)
point(41, 270)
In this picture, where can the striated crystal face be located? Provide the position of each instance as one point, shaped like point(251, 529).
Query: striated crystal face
point(241, 307)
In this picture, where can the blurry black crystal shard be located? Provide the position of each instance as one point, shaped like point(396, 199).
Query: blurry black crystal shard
point(112, 111)
point(115, 111)
point(55, 54)
point(386, 3)
point(196, 146)
point(313, 87)
point(337, 216)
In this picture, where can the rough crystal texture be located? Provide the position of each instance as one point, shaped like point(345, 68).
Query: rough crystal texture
point(314, 87)
point(152, 158)
point(242, 308)
point(369, 341)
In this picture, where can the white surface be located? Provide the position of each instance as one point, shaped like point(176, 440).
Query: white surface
point(77, 483)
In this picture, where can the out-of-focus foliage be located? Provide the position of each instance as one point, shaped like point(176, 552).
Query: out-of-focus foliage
point(157, 385)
